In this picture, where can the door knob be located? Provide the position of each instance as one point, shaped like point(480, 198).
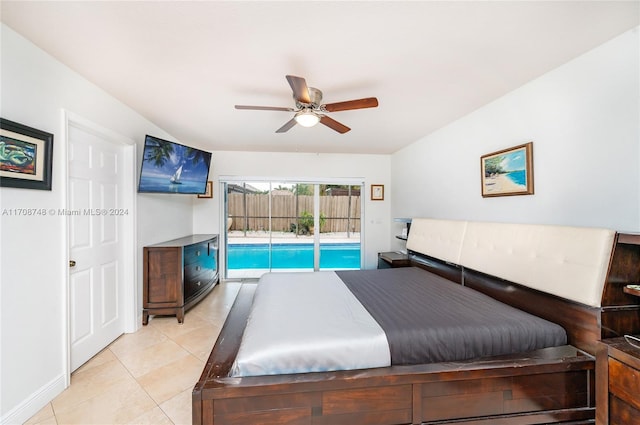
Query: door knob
point(72, 263)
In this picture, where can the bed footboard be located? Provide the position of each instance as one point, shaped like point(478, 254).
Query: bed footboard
point(491, 397)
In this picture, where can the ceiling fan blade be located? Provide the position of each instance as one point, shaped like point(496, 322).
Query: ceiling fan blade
point(333, 124)
point(369, 102)
point(265, 108)
point(300, 89)
point(287, 126)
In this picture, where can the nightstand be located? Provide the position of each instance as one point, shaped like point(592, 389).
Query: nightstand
point(388, 260)
point(617, 383)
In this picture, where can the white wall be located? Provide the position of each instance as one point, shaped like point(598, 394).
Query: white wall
point(35, 89)
point(584, 121)
point(374, 169)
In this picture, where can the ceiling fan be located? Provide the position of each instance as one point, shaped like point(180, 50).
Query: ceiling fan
point(309, 109)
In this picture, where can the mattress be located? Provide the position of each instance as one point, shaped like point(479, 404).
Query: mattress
point(322, 321)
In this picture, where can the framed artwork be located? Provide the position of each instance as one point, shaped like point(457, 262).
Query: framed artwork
point(377, 192)
point(25, 156)
point(209, 192)
point(508, 172)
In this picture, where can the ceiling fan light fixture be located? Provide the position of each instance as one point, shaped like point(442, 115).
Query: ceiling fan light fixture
point(307, 118)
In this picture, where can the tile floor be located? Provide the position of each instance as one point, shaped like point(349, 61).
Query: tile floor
point(145, 377)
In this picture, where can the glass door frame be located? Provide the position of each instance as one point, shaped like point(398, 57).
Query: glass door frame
point(316, 182)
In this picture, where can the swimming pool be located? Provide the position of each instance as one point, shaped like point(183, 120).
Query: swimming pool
point(292, 256)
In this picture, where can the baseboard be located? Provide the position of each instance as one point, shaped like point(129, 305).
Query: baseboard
point(32, 405)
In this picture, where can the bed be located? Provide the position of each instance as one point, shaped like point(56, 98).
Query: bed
point(571, 277)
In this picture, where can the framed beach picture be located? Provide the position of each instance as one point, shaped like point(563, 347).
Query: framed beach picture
point(377, 192)
point(209, 192)
point(25, 156)
point(508, 172)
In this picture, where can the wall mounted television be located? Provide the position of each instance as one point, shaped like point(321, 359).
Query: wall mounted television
point(169, 167)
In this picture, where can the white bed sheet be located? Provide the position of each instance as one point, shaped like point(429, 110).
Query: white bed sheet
point(308, 322)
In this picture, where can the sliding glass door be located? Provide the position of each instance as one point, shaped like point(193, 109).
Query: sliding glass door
point(291, 226)
point(339, 237)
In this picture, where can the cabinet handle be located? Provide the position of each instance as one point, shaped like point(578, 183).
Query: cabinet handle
point(197, 253)
point(198, 283)
point(72, 263)
point(198, 268)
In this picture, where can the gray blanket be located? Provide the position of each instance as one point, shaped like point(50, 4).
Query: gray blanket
point(429, 319)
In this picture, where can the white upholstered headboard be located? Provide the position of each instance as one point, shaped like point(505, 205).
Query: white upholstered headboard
point(570, 262)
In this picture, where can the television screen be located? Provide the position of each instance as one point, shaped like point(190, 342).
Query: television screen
point(169, 167)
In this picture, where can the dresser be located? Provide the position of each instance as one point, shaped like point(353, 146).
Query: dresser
point(177, 274)
point(617, 383)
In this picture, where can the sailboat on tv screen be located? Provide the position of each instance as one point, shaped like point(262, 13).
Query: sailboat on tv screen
point(175, 179)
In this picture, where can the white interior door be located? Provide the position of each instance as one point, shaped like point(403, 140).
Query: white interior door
point(96, 274)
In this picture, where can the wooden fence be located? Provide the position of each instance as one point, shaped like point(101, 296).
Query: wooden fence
point(340, 213)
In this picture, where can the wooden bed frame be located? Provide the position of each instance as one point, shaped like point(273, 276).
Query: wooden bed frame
point(553, 385)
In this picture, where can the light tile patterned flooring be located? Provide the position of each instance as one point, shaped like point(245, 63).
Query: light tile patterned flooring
point(145, 377)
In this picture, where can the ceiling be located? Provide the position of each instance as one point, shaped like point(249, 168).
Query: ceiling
point(184, 65)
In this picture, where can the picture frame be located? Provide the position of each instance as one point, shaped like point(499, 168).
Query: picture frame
point(26, 156)
point(507, 172)
point(377, 192)
point(209, 192)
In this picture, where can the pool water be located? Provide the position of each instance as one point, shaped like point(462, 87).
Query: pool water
point(292, 256)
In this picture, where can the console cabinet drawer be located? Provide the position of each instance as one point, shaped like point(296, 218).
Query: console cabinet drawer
point(196, 278)
point(624, 382)
point(193, 254)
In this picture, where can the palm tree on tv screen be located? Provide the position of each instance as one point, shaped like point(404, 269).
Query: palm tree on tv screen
point(159, 152)
point(195, 155)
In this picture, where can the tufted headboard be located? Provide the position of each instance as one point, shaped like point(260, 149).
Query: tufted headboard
point(569, 262)
point(573, 276)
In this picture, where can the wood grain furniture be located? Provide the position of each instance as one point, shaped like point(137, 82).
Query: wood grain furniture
point(177, 274)
point(618, 361)
point(393, 259)
point(618, 383)
point(570, 276)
